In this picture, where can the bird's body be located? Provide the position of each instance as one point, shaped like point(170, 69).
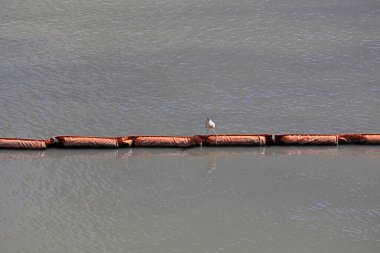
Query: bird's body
point(209, 124)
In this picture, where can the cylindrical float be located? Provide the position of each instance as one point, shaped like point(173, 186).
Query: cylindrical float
point(87, 142)
point(306, 139)
point(164, 141)
point(20, 143)
point(359, 138)
point(190, 141)
point(235, 139)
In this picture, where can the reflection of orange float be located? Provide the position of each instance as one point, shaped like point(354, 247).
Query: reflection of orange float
point(190, 141)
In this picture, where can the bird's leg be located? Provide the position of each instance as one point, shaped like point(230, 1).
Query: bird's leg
point(216, 138)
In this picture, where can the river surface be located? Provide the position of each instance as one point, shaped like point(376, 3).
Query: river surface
point(128, 67)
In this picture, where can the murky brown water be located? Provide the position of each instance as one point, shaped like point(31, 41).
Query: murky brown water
point(161, 67)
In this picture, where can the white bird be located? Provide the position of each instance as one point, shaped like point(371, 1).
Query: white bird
point(209, 124)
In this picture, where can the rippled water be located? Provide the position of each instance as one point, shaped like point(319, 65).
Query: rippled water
point(198, 200)
point(161, 67)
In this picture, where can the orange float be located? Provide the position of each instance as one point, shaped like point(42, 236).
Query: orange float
point(359, 138)
point(190, 141)
point(19, 143)
point(86, 142)
point(306, 139)
point(235, 139)
point(163, 141)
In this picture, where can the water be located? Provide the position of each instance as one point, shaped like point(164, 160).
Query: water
point(161, 67)
point(198, 200)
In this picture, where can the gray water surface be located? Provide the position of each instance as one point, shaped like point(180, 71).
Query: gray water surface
point(161, 67)
point(198, 200)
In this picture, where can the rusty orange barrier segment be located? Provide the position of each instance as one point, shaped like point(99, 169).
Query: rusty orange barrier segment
point(18, 143)
point(235, 139)
point(359, 138)
point(306, 139)
point(164, 141)
point(190, 141)
point(87, 142)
